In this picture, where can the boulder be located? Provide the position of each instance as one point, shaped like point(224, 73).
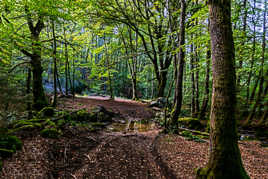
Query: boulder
point(191, 123)
point(101, 114)
point(159, 102)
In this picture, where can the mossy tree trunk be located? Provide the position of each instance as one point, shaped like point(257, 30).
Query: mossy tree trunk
point(39, 99)
point(225, 159)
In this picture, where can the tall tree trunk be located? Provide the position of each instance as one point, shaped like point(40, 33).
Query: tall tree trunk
point(253, 53)
point(225, 159)
point(39, 98)
point(66, 62)
point(193, 110)
point(206, 97)
point(55, 64)
point(28, 91)
point(181, 61)
point(162, 84)
point(243, 43)
point(59, 84)
point(197, 108)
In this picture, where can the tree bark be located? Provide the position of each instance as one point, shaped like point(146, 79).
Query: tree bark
point(66, 63)
point(193, 110)
point(225, 159)
point(203, 110)
point(253, 53)
point(181, 61)
point(243, 43)
point(39, 98)
point(28, 91)
point(55, 65)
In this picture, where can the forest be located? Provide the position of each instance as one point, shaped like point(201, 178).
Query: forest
point(133, 89)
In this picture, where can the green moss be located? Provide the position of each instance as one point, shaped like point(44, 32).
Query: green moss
point(201, 172)
point(6, 153)
point(49, 123)
point(98, 124)
point(186, 133)
point(189, 136)
point(36, 120)
point(26, 127)
point(61, 122)
point(82, 115)
point(9, 145)
point(50, 133)
point(33, 122)
point(10, 142)
point(101, 117)
point(191, 123)
point(46, 112)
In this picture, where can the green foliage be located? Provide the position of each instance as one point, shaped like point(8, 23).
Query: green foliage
point(52, 133)
point(9, 144)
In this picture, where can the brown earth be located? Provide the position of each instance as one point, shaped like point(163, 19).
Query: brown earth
point(80, 153)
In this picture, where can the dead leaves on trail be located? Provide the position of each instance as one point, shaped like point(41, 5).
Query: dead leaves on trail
point(183, 156)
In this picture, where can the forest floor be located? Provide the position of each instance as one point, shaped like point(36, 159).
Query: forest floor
point(125, 149)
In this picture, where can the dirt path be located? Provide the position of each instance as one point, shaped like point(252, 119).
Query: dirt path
point(125, 149)
point(121, 153)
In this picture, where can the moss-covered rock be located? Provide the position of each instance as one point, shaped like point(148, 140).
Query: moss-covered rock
point(189, 136)
point(50, 133)
point(82, 115)
point(46, 112)
point(49, 123)
point(61, 122)
point(191, 123)
point(98, 124)
point(29, 123)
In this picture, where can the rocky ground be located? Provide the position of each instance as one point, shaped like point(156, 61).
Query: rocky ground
point(125, 149)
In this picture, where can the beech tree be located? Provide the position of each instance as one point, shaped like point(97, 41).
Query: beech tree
point(225, 159)
point(181, 62)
